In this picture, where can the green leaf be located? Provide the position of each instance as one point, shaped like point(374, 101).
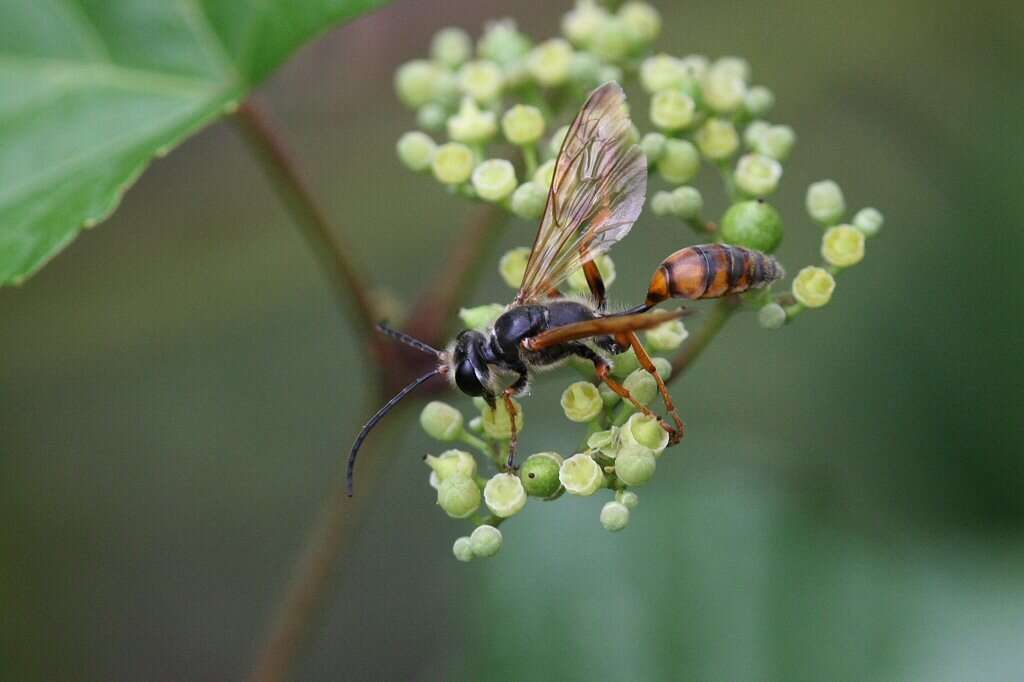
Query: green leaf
point(92, 90)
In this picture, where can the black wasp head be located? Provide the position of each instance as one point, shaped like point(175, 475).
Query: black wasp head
point(468, 364)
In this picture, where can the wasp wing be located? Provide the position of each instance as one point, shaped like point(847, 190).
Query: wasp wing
point(602, 326)
point(597, 193)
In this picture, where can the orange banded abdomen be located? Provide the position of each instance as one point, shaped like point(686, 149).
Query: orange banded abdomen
point(710, 271)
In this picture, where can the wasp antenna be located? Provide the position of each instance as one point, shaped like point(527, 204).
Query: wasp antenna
point(350, 474)
point(407, 340)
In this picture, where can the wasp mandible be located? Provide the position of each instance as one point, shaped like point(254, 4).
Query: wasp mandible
point(597, 192)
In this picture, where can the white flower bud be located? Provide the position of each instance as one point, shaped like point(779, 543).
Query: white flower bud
point(759, 100)
point(737, 66)
point(842, 246)
point(471, 125)
point(662, 203)
point(771, 316)
point(581, 475)
point(813, 286)
point(662, 72)
point(502, 42)
point(642, 22)
point(452, 463)
point(717, 139)
point(642, 385)
point(753, 132)
point(441, 421)
point(643, 431)
point(451, 46)
point(432, 116)
point(549, 63)
point(652, 145)
point(485, 541)
point(480, 317)
point(687, 202)
point(417, 82)
point(528, 200)
point(452, 163)
point(679, 162)
point(494, 179)
point(613, 41)
point(724, 90)
point(635, 465)
point(504, 495)
point(695, 65)
point(605, 265)
point(581, 402)
point(614, 516)
point(581, 23)
point(512, 266)
point(667, 336)
point(758, 175)
point(523, 124)
point(458, 496)
point(628, 498)
point(462, 549)
point(825, 203)
point(869, 221)
point(672, 110)
point(482, 80)
point(416, 150)
point(585, 70)
point(775, 141)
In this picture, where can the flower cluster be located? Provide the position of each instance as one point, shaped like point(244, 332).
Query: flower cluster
point(492, 117)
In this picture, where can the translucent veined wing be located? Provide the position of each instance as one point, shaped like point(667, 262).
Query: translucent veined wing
point(597, 193)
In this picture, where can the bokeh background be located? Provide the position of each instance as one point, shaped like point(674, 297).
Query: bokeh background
point(176, 390)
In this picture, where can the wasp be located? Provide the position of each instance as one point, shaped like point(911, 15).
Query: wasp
point(597, 192)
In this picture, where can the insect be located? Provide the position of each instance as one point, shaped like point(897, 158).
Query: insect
point(597, 192)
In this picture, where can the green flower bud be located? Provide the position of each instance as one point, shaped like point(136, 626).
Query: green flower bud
point(652, 145)
point(695, 65)
point(737, 66)
point(555, 145)
point(585, 70)
point(628, 498)
point(432, 116)
point(441, 421)
point(609, 396)
point(679, 162)
point(642, 385)
point(672, 110)
point(481, 80)
point(494, 179)
point(842, 246)
point(775, 141)
point(416, 82)
point(662, 72)
point(614, 516)
point(578, 279)
point(687, 202)
point(504, 495)
point(497, 423)
point(502, 42)
point(581, 23)
point(663, 366)
point(813, 286)
point(462, 549)
point(662, 203)
point(635, 465)
point(758, 101)
point(581, 402)
point(645, 432)
point(539, 474)
point(758, 175)
point(717, 139)
point(753, 132)
point(612, 42)
point(452, 163)
point(416, 150)
point(624, 364)
point(606, 442)
point(724, 90)
point(545, 173)
point(825, 203)
point(869, 221)
point(666, 336)
point(452, 463)
point(642, 21)
point(754, 224)
point(471, 125)
point(528, 200)
point(512, 266)
point(549, 62)
point(522, 124)
point(459, 496)
point(451, 46)
point(481, 317)
point(771, 316)
point(485, 541)
point(581, 475)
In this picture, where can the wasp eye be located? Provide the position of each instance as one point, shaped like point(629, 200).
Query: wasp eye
point(466, 379)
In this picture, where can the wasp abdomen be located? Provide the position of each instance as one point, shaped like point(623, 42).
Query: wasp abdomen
point(710, 271)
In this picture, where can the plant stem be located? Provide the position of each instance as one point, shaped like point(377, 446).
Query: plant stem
point(696, 344)
point(331, 249)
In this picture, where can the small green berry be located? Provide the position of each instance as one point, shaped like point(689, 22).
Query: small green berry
point(459, 496)
point(480, 317)
point(842, 246)
point(416, 150)
point(771, 316)
point(581, 402)
point(757, 175)
point(452, 163)
point(813, 286)
point(642, 22)
point(758, 101)
point(687, 202)
point(614, 516)
point(754, 224)
point(775, 141)
point(544, 175)
point(504, 495)
point(497, 423)
point(646, 432)
point(522, 124)
point(471, 125)
point(662, 72)
point(825, 203)
point(482, 80)
point(581, 475)
point(452, 463)
point(432, 116)
point(869, 221)
point(605, 265)
point(485, 541)
point(652, 145)
point(549, 63)
point(528, 200)
point(512, 266)
point(494, 179)
point(502, 42)
point(635, 465)
point(672, 110)
point(717, 139)
point(679, 162)
point(539, 474)
point(581, 23)
point(667, 336)
point(642, 385)
point(451, 46)
point(628, 498)
point(441, 421)
point(463, 549)
point(417, 82)
point(624, 364)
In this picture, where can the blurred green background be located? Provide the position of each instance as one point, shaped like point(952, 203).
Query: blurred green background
point(176, 390)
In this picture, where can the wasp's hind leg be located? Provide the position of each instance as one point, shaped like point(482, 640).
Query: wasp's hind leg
point(676, 434)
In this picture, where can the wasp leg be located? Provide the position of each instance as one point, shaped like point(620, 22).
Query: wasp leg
point(676, 434)
point(515, 389)
point(609, 344)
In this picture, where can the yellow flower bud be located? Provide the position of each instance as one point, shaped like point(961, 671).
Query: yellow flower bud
point(666, 336)
point(459, 496)
point(451, 46)
point(612, 41)
point(494, 179)
point(416, 150)
point(813, 286)
point(642, 22)
point(614, 516)
point(441, 421)
point(723, 89)
point(523, 124)
point(679, 162)
point(512, 266)
point(581, 475)
point(672, 110)
point(482, 80)
point(662, 72)
point(843, 246)
point(635, 465)
point(581, 402)
point(825, 203)
point(452, 463)
point(452, 163)
point(717, 139)
point(581, 23)
point(646, 432)
point(758, 175)
point(417, 82)
point(504, 495)
point(471, 125)
point(549, 63)
point(485, 541)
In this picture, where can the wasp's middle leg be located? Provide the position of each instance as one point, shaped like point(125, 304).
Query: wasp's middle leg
point(676, 434)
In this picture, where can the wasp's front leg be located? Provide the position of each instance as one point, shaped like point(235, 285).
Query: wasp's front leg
point(517, 387)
